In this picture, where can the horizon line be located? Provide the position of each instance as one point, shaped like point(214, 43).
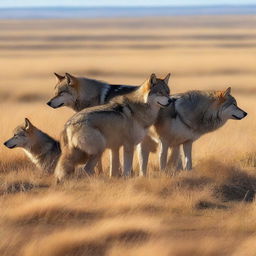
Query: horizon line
point(125, 6)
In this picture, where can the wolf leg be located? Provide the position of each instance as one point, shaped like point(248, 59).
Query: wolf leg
point(187, 147)
point(114, 162)
point(91, 163)
point(67, 162)
point(175, 160)
point(63, 168)
point(92, 142)
point(143, 154)
point(179, 163)
point(163, 154)
point(147, 146)
point(99, 166)
point(128, 159)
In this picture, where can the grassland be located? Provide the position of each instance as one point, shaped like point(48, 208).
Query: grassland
point(209, 211)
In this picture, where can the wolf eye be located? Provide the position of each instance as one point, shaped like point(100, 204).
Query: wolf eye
point(62, 93)
point(20, 134)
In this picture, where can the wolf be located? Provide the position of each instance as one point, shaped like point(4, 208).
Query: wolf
point(193, 114)
point(80, 92)
point(122, 122)
point(42, 150)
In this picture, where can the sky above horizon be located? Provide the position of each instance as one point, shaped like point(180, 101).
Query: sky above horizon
point(33, 3)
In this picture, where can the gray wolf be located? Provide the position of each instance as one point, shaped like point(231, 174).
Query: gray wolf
point(122, 122)
point(80, 92)
point(43, 150)
point(192, 115)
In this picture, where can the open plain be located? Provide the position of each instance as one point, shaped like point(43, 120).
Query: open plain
point(210, 211)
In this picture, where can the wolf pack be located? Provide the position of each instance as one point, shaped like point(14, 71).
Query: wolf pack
point(143, 119)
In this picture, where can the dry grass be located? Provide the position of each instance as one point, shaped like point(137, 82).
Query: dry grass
point(209, 211)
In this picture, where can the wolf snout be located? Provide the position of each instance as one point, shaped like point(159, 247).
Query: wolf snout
point(8, 146)
point(49, 103)
point(243, 115)
point(53, 105)
point(170, 101)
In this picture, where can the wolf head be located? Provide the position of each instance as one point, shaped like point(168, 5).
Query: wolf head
point(156, 91)
point(23, 136)
point(227, 106)
point(66, 91)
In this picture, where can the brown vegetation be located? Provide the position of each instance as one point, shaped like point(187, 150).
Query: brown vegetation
point(209, 211)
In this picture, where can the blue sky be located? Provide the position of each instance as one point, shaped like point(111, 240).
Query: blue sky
point(26, 3)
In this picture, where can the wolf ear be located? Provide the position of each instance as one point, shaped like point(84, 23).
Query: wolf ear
point(71, 80)
point(28, 125)
point(148, 84)
point(222, 95)
point(152, 80)
point(59, 77)
point(166, 80)
point(227, 92)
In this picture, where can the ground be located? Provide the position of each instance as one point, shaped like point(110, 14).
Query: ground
point(208, 211)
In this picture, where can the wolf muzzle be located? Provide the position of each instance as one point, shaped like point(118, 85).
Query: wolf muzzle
point(166, 105)
point(171, 101)
point(6, 144)
point(239, 118)
point(49, 103)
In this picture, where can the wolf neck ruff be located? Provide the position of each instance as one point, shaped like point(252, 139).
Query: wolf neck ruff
point(177, 114)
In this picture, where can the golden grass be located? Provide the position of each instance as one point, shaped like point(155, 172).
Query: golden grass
point(209, 211)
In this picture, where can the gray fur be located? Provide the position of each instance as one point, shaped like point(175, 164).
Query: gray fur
point(43, 150)
point(80, 92)
point(45, 153)
point(193, 114)
point(122, 122)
